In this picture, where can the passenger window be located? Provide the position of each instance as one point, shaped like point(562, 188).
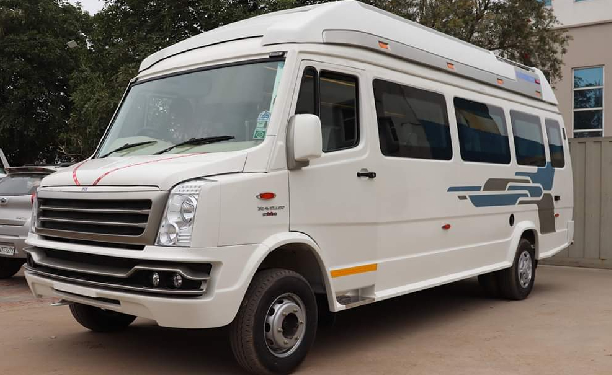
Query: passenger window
point(412, 123)
point(555, 143)
point(483, 135)
point(528, 142)
point(334, 98)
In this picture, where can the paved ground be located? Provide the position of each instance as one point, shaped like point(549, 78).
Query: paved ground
point(565, 327)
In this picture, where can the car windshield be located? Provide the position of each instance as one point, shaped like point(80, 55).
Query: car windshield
point(228, 106)
point(19, 184)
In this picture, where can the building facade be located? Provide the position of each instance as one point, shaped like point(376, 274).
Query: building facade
point(585, 91)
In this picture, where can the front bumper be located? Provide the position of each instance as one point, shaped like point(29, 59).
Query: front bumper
point(216, 307)
point(18, 242)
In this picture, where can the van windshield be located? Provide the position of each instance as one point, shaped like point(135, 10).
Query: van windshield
point(219, 109)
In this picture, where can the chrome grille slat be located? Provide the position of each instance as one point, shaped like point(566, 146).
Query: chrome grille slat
point(96, 210)
point(89, 222)
point(130, 217)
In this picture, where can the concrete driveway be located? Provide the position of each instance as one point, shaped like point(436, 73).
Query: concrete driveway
point(564, 327)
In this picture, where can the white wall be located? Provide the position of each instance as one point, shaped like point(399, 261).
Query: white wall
point(575, 13)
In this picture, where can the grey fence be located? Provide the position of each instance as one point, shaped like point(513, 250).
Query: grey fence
point(592, 165)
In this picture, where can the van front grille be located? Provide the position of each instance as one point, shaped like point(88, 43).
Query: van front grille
point(113, 217)
point(101, 217)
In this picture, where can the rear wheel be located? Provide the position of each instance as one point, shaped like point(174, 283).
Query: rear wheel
point(517, 281)
point(10, 267)
point(276, 324)
point(99, 320)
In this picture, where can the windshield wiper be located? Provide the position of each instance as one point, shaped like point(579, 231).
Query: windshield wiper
point(198, 142)
point(126, 146)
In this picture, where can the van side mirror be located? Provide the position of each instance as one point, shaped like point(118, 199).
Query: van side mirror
point(304, 140)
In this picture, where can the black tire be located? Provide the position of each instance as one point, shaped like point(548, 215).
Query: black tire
point(99, 320)
point(10, 267)
point(247, 331)
point(489, 284)
point(510, 284)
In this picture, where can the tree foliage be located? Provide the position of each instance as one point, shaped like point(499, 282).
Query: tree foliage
point(35, 69)
point(67, 105)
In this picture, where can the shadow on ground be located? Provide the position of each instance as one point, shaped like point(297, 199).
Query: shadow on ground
point(147, 348)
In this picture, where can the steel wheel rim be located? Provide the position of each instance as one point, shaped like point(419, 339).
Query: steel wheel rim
point(525, 269)
point(285, 324)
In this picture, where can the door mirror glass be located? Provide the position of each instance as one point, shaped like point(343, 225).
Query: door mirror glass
point(304, 141)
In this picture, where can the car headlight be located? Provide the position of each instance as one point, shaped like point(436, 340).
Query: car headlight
point(179, 217)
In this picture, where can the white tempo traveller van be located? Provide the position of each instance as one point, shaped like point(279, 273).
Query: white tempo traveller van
point(304, 162)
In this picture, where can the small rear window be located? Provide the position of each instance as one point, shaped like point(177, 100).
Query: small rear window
point(19, 185)
point(555, 143)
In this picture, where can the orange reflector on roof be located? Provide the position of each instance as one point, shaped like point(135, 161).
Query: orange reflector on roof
point(450, 66)
point(500, 81)
point(538, 93)
point(383, 45)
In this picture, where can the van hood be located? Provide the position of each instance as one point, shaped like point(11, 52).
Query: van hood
point(162, 171)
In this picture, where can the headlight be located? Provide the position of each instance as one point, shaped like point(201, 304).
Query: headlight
point(179, 217)
point(34, 219)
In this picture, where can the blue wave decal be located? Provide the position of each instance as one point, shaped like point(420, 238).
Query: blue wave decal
point(464, 188)
point(544, 176)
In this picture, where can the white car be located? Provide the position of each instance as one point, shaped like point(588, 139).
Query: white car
point(277, 170)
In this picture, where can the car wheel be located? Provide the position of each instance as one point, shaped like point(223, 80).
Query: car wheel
point(276, 323)
point(10, 267)
point(516, 282)
point(99, 320)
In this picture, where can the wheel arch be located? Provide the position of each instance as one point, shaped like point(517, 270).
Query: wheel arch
point(525, 229)
point(297, 252)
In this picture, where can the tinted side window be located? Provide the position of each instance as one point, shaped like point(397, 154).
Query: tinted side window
point(483, 135)
point(307, 98)
point(334, 98)
point(338, 111)
point(412, 123)
point(555, 143)
point(528, 142)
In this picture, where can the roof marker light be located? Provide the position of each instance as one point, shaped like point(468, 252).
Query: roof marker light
point(383, 45)
point(446, 226)
point(538, 93)
point(450, 66)
point(537, 81)
point(500, 81)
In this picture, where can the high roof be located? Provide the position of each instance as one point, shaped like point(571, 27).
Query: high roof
point(351, 22)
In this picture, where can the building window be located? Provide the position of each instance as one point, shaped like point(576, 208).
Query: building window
point(588, 102)
point(412, 123)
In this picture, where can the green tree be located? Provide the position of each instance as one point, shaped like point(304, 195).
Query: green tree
point(35, 68)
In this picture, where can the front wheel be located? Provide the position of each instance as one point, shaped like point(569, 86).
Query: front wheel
point(517, 281)
point(99, 320)
point(276, 324)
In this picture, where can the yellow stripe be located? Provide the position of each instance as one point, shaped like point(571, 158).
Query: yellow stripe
point(354, 270)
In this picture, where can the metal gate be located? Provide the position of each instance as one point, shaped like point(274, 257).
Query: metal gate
point(592, 166)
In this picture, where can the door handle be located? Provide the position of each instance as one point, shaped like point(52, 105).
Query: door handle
point(365, 173)
point(557, 198)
